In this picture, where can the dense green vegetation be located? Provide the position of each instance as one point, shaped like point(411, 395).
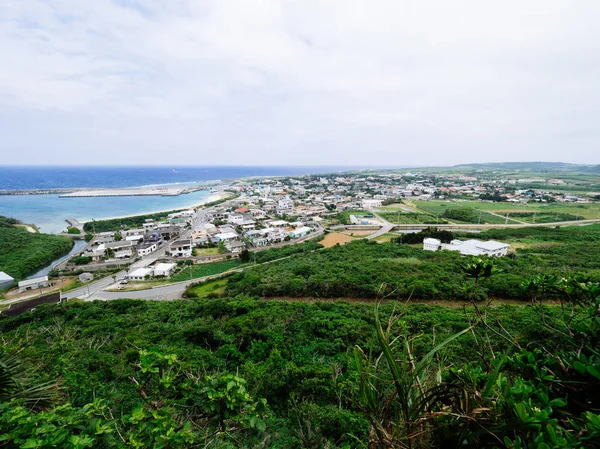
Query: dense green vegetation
point(116, 224)
point(287, 250)
point(411, 218)
point(72, 230)
point(22, 252)
point(241, 372)
point(360, 268)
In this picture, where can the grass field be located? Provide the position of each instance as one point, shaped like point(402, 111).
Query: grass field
point(411, 218)
point(208, 289)
point(583, 211)
point(206, 269)
point(205, 251)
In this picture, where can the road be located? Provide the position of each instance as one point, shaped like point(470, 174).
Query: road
point(93, 287)
point(387, 227)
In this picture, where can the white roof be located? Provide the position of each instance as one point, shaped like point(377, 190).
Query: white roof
point(134, 237)
point(227, 235)
point(33, 281)
point(164, 266)
point(140, 272)
point(5, 277)
point(431, 241)
point(302, 229)
point(492, 245)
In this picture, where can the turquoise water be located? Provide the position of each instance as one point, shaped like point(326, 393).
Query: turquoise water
point(49, 212)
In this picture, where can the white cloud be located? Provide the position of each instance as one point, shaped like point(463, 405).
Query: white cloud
point(309, 82)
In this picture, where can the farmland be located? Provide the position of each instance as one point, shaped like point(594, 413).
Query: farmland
point(579, 211)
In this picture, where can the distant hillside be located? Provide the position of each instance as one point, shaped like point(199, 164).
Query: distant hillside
point(23, 252)
point(537, 166)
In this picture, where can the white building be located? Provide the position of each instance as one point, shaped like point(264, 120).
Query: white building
point(226, 236)
point(181, 248)
point(285, 204)
point(299, 232)
point(236, 219)
point(472, 247)
point(430, 244)
point(140, 274)
point(370, 203)
point(164, 269)
point(147, 248)
point(32, 284)
point(277, 235)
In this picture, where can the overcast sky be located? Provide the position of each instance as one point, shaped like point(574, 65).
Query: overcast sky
point(345, 82)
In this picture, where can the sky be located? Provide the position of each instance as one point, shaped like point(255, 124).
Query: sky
point(348, 82)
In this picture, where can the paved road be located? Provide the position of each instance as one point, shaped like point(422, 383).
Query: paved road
point(93, 287)
point(387, 227)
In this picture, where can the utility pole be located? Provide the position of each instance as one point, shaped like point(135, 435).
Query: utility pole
point(506, 219)
point(534, 214)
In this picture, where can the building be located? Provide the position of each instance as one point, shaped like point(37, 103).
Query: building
point(430, 244)
point(147, 248)
point(123, 249)
point(32, 284)
point(181, 248)
point(140, 274)
point(235, 247)
point(471, 247)
point(370, 203)
point(277, 223)
point(5, 280)
point(299, 232)
point(226, 236)
point(259, 241)
point(86, 277)
point(164, 269)
point(276, 235)
point(104, 237)
point(285, 205)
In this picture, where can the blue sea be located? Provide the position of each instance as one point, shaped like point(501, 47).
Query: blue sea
point(48, 212)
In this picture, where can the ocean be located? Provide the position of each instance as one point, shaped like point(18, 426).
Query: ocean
point(49, 212)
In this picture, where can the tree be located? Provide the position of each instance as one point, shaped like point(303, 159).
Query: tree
point(245, 256)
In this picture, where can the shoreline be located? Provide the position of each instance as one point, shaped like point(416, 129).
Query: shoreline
point(209, 199)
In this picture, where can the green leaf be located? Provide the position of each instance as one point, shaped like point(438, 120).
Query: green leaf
point(593, 371)
point(558, 402)
point(32, 443)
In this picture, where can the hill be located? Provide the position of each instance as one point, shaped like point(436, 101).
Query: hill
point(247, 373)
point(23, 252)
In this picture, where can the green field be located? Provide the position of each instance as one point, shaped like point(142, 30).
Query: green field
point(411, 218)
point(206, 269)
point(344, 216)
point(205, 251)
point(207, 289)
point(583, 211)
